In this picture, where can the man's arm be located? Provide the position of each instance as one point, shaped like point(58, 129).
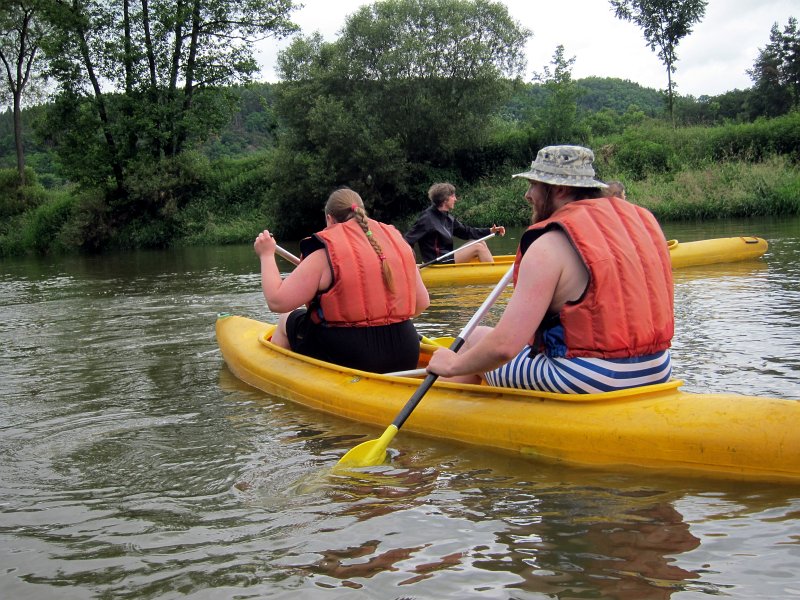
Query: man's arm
point(465, 232)
point(418, 229)
point(538, 280)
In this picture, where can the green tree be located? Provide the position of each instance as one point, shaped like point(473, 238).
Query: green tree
point(407, 87)
point(791, 60)
point(558, 120)
point(140, 82)
point(776, 72)
point(21, 32)
point(664, 24)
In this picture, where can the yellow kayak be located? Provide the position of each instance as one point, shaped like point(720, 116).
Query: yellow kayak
point(659, 426)
point(683, 254)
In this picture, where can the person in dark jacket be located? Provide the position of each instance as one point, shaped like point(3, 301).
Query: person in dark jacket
point(435, 228)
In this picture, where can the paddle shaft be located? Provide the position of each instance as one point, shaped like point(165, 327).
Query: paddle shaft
point(455, 347)
point(467, 245)
point(373, 452)
point(287, 255)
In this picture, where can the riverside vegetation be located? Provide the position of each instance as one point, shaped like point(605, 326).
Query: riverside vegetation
point(735, 170)
point(153, 166)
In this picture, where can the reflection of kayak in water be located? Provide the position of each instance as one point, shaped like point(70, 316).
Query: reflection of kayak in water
point(657, 426)
point(683, 254)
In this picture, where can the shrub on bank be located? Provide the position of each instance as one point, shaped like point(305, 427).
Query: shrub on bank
point(16, 199)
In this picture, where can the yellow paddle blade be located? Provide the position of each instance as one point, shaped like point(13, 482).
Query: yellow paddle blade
point(368, 454)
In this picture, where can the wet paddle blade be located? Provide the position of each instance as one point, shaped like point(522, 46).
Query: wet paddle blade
point(368, 454)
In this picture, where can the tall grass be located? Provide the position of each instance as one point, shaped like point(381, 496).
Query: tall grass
point(729, 189)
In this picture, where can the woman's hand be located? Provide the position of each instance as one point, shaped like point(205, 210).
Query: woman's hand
point(498, 229)
point(265, 244)
point(442, 362)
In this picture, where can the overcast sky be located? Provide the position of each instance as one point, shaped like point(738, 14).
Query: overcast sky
point(712, 60)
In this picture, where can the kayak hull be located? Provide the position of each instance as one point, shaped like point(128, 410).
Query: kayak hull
point(682, 254)
point(660, 426)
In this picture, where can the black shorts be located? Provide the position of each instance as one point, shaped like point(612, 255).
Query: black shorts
point(379, 349)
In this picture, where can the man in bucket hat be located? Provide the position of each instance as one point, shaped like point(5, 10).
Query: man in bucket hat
point(592, 308)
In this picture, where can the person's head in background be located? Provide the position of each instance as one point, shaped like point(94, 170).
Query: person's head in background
point(616, 189)
point(442, 196)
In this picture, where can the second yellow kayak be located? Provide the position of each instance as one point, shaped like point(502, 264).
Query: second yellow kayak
point(683, 254)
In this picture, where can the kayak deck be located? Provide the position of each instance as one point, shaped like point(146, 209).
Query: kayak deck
point(656, 426)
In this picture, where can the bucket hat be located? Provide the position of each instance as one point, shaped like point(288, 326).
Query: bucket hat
point(563, 165)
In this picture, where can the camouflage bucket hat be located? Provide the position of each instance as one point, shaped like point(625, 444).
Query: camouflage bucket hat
point(563, 165)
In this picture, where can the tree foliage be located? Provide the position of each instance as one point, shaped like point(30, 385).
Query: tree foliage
point(139, 83)
point(557, 120)
point(21, 33)
point(389, 105)
point(664, 24)
point(776, 72)
point(598, 93)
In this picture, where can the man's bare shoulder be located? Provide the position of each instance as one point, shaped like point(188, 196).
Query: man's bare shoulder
point(553, 256)
point(552, 241)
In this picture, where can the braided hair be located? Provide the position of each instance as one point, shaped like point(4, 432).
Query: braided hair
point(345, 204)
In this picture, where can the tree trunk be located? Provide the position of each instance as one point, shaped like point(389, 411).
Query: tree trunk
point(18, 136)
point(129, 76)
point(116, 167)
point(154, 97)
point(188, 89)
point(148, 43)
point(169, 144)
point(669, 94)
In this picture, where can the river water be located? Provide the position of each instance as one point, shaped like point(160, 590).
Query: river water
point(134, 465)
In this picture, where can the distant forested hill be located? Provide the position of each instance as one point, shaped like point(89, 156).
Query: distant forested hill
point(618, 95)
point(594, 94)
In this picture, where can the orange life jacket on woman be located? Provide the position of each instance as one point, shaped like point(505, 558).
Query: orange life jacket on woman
point(358, 296)
point(627, 307)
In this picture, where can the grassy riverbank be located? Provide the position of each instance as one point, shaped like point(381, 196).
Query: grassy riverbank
point(732, 189)
point(693, 173)
point(729, 189)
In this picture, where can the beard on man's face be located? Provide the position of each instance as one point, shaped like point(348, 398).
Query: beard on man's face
point(547, 208)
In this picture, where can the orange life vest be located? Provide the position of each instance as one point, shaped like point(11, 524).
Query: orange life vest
point(358, 296)
point(627, 307)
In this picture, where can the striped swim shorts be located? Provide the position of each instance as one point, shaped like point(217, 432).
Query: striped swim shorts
point(582, 375)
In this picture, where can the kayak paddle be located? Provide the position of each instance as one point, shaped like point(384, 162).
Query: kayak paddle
point(467, 245)
point(287, 255)
point(373, 452)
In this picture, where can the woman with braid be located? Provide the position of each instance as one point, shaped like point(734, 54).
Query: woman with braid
point(360, 285)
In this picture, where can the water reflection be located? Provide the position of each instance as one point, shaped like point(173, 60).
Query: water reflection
point(473, 524)
point(448, 520)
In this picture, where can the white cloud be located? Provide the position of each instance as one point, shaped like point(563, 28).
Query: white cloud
point(713, 59)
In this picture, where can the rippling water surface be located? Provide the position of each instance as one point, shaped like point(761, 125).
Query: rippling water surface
point(134, 465)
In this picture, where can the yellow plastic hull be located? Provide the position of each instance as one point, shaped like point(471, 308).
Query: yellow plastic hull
point(659, 426)
point(683, 254)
